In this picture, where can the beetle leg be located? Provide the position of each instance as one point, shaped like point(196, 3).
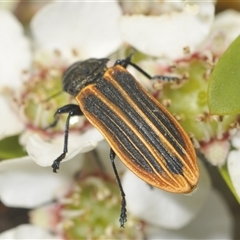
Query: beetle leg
point(64, 109)
point(123, 215)
point(127, 61)
point(72, 110)
point(124, 62)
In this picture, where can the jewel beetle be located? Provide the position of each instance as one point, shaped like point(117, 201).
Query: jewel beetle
point(140, 131)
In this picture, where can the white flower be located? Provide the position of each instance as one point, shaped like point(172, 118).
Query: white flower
point(216, 151)
point(161, 208)
point(165, 215)
point(25, 184)
point(189, 26)
point(15, 58)
point(214, 221)
point(9, 5)
point(224, 31)
point(178, 216)
point(27, 231)
point(167, 34)
point(233, 163)
point(64, 27)
point(89, 29)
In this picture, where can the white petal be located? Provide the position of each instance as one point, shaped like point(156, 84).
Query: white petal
point(15, 51)
point(168, 34)
point(10, 123)
point(46, 216)
point(90, 28)
point(43, 153)
point(216, 151)
point(233, 164)
point(9, 5)
point(157, 207)
point(214, 221)
point(235, 140)
point(227, 22)
point(25, 184)
point(103, 150)
point(27, 231)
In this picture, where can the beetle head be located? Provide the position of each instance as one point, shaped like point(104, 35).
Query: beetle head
point(82, 73)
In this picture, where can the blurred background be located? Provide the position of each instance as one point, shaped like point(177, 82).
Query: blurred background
point(12, 217)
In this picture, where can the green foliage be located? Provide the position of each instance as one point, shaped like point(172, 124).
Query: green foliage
point(224, 83)
point(10, 148)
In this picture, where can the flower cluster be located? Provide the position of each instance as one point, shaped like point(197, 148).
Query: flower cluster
point(182, 39)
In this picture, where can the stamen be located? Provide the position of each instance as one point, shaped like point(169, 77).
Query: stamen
point(167, 103)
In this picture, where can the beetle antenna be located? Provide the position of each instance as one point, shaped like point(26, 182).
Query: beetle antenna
point(129, 57)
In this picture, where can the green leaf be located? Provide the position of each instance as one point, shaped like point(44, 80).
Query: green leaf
point(10, 148)
point(224, 173)
point(224, 83)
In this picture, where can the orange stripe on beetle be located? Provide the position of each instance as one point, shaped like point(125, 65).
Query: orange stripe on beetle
point(161, 156)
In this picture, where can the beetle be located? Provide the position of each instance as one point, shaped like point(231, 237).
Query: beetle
point(139, 130)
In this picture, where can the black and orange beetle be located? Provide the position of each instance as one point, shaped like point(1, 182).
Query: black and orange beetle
point(139, 130)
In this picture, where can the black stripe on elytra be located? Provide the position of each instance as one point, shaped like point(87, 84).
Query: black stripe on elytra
point(129, 85)
point(123, 136)
point(114, 96)
point(157, 117)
